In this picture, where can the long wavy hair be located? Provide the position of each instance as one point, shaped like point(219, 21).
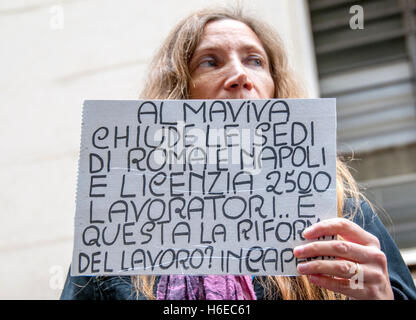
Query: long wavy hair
point(169, 78)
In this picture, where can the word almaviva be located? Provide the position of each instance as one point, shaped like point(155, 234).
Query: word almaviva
point(211, 110)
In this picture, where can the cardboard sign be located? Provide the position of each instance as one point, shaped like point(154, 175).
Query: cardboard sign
point(202, 186)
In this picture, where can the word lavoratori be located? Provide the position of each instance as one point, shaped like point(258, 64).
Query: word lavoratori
point(211, 208)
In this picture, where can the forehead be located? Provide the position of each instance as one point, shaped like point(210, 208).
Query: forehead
point(226, 33)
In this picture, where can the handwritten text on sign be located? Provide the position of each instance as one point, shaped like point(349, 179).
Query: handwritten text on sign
point(201, 186)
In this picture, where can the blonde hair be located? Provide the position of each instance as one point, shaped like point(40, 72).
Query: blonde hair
point(169, 78)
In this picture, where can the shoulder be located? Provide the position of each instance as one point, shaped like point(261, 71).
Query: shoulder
point(99, 288)
point(359, 211)
point(364, 215)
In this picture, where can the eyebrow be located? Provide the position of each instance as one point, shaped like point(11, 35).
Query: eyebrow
point(247, 47)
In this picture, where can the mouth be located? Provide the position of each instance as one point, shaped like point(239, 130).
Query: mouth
point(240, 95)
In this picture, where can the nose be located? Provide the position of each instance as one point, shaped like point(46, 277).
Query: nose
point(237, 77)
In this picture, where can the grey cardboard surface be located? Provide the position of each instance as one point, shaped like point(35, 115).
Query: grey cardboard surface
point(201, 186)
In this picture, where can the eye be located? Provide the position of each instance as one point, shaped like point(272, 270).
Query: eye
point(255, 61)
point(208, 62)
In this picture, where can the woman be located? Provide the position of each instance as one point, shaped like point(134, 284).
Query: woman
point(224, 55)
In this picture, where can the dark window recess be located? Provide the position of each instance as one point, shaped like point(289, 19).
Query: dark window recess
point(371, 72)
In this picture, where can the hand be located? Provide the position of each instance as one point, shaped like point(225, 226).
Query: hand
point(358, 249)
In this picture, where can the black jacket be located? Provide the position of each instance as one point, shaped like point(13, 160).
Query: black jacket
point(121, 287)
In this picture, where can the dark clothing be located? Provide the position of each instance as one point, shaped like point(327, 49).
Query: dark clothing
point(121, 287)
point(400, 277)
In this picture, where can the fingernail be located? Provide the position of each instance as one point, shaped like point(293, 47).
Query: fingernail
point(298, 250)
point(306, 231)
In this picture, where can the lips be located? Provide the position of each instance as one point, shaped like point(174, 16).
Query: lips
point(240, 95)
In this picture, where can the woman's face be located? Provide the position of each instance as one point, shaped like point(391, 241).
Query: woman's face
point(230, 63)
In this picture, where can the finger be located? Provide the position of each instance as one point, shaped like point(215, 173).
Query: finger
point(337, 268)
point(343, 227)
point(335, 248)
point(339, 285)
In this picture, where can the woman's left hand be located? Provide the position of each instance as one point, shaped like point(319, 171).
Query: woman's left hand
point(358, 257)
